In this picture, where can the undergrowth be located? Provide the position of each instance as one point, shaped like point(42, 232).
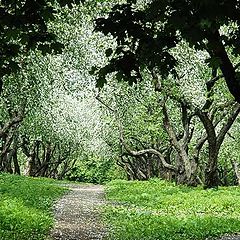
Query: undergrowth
point(26, 206)
point(157, 210)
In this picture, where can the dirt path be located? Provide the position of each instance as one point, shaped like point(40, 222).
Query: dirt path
point(77, 214)
point(230, 237)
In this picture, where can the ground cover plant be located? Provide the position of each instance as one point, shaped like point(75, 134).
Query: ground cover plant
point(25, 206)
point(157, 209)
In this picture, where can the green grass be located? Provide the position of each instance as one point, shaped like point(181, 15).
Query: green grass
point(156, 209)
point(26, 206)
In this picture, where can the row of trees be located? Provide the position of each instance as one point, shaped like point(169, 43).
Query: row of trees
point(180, 47)
point(164, 134)
point(29, 143)
point(172, 118)
point(47, 119)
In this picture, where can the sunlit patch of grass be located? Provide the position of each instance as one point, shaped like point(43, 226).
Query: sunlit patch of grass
point(157, 209)
point(26, 206)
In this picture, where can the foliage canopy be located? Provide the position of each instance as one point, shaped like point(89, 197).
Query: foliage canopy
point(24, 26)
point(146, 35)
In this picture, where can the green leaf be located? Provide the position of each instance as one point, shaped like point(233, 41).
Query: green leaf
point(109, 52)
point(213, 62)
point(100, 82)
point(93, 70)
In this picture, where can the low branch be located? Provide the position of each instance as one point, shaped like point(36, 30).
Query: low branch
point(105, 104)
point(210, 83)
point(15, 120)
point(151, 151)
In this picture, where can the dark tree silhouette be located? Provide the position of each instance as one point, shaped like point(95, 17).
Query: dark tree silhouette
point(23, 26)
point(145, 36)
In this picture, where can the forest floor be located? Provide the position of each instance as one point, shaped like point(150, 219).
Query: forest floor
point(77, 214)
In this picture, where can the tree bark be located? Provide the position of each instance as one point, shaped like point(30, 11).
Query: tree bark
point(218, 51)
point(236, 170)
point(186, 169)
point(214, 143)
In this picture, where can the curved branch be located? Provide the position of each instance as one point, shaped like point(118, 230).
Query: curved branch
point(15, 120)
point(152, 151)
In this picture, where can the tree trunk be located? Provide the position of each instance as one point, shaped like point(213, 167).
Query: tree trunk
point(236, 170)
point(214, 143)
point(15, 162)
point(218, 51)
point(211, 172)
point(186, 168)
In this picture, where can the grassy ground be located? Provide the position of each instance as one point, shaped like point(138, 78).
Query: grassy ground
point(156, 209)
point(25, 207)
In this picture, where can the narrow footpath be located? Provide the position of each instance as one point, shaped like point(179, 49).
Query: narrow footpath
point(77, 214)
point(230, 237)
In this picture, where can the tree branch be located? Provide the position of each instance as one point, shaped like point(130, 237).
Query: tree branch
point(232, 117)
point(13, 121)
point(151, 151)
